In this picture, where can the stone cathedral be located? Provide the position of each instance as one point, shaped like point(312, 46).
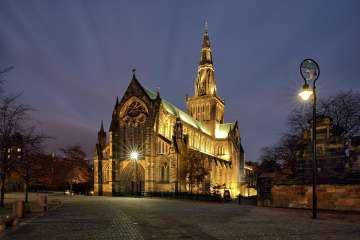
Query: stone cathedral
point(153, 146)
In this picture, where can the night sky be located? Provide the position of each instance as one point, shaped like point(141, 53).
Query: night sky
point(72, 58)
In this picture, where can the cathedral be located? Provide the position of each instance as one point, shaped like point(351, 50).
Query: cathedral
point(152, 146)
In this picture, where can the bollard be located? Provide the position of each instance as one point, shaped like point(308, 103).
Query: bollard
point(2, 226)
point(18, 209)
point(43, 202)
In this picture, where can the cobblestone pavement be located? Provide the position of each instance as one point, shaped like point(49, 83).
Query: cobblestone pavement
point(79, 218)
point(153, 218)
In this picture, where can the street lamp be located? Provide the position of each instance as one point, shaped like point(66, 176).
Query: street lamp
point(134, 155)
point(310, 72)
point(306, 92)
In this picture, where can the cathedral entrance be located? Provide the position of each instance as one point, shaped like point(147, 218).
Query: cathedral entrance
point(132, 179)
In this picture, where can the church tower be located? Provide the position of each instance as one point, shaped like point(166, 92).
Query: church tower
point(205, 106)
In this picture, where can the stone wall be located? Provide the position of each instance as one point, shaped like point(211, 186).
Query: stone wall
point(331, 197)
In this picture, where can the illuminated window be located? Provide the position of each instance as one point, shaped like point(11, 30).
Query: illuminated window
point(106, 174)
point(208, 146)
point(197, 141)
point(162, 147)
point(191, 136)
point(158, 146)
point(202, 144)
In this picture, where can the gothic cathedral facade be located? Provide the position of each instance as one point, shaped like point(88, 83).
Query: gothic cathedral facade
point(154, 147)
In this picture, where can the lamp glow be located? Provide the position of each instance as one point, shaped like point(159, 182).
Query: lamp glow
point(134, 155)
point(306, 93)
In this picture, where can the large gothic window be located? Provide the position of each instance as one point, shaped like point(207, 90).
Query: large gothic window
point(133, 113)
point(106, 172)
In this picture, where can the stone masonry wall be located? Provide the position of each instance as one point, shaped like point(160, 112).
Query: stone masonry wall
point(331, 197)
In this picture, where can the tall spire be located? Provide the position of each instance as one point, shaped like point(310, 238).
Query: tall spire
point(205, 106)
point(117, 102)
point(102, 127)
point(102, 136)
point(206, 57)
point(205, 82)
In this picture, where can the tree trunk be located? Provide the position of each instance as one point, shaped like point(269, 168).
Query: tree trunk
point(27, 185)
point(26, 192)
point(2, 195)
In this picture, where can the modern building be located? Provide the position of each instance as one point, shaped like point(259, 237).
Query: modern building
point(153, 146)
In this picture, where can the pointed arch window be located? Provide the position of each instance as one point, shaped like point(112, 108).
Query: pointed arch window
point(165, 173)
point(106, 173)
point(133, 113)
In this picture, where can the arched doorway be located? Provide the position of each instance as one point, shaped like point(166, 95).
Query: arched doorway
point(132, 179)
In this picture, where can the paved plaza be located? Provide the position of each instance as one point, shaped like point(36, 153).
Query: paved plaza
point(153, 218)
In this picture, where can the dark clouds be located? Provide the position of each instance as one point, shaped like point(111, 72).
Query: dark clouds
point(72, 58)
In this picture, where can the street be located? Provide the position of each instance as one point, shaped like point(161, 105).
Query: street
point(153, 218)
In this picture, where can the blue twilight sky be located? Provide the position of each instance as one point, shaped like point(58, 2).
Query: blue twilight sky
point(72, 58)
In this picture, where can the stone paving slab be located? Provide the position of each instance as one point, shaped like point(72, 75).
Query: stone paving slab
point(154, 218)
point(79, 219)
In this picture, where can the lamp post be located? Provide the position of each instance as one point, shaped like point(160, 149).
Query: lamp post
point(310, 72)
point(134, 155)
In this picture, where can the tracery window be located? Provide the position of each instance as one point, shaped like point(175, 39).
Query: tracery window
point(106, 173)
point(220, 150)
point(134, 113)
point(162, 147)
point(191, 140)
point(202, 144)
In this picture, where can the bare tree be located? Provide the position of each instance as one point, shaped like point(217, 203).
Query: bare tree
point(299, 120)
point(30, 164)
point(2, 74)
point(12, 119)
point(287, 151)
point(5, 70)
point(77, 167)
point(281, 156)
point(344, 110)
point(193, 172)
point(269, 159)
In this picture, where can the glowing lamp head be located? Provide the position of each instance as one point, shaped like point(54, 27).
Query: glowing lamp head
point(306, 92)
point(134, 155)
